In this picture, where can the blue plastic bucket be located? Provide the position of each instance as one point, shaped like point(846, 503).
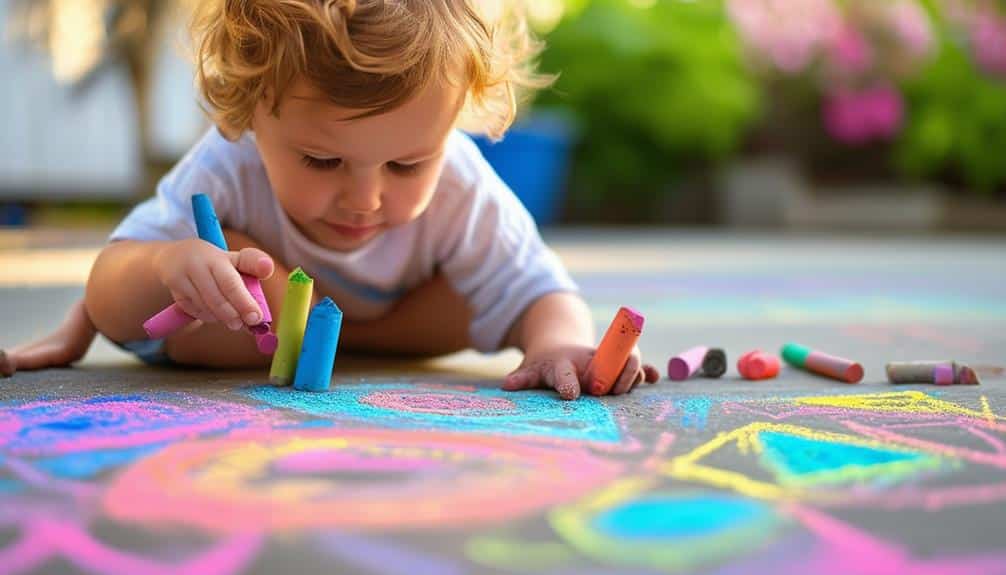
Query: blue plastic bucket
point(533, 159)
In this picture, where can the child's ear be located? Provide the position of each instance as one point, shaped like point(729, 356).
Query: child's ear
point(269, 103)
point(265, 106)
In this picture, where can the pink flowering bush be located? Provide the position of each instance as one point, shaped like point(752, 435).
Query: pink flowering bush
point(982, 25)
point(956, 108)
point(853, 52)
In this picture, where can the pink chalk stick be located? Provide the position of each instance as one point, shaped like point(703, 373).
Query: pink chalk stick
point(684, 365)
point(172, 318)
point(166, 322)
point(255, 289)
point(265, 339)
point(635, 317)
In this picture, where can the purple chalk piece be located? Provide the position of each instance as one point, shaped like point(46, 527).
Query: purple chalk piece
point(943, 374)
point(265, 340)
point(684, 365)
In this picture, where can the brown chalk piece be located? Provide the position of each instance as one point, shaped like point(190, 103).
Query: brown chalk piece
point(7, 368)
point(935, 372)
point(715, 363)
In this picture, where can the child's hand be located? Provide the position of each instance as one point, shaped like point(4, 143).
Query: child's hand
point(568, 370)
point(205, 282)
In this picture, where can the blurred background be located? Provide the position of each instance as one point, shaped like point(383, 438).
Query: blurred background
point(779, 114)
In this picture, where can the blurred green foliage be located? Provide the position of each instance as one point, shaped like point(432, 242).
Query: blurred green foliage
point(957, 122)
point(656, 91)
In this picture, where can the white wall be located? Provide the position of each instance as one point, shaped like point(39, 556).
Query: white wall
point(57, 142)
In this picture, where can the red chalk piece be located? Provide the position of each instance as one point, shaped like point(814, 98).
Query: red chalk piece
point(835, 367)
point(756, 364)
point(614, 350)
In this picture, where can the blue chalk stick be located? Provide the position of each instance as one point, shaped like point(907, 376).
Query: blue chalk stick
point(317, 353)
point(207, 224)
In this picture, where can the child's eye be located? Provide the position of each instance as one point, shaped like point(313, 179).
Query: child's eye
point(321, 164)
point(402, 169)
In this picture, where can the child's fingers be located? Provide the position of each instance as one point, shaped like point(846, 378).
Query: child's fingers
point(7, 366)
point(640, 376)
point(522, 378)
point(193, 309)
point(563, 379)
point(252, 261)
point(628, 375)
point(187, 297)
point(232, 287)
point(651, 375)
point(213, 299)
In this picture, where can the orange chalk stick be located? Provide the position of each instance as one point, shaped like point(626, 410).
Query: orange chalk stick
point(614, 350)
point(758, 365)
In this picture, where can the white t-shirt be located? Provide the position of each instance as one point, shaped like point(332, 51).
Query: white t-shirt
point(475, 230)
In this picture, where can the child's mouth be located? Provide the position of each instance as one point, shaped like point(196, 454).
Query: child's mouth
point(352, 232)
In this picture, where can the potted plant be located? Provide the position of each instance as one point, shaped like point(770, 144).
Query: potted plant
point(656, 91)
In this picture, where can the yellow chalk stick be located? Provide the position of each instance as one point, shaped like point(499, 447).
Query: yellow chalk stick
point(292, 321)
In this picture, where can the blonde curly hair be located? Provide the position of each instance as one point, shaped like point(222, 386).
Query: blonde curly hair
point(371, 55)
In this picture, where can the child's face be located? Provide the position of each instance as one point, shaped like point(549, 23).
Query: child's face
point(343, 181)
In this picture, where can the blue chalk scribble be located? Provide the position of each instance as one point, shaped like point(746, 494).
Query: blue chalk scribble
point(482, 410)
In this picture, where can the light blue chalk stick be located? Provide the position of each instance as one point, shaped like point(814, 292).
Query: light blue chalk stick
point(207, 224)
point(317, 353)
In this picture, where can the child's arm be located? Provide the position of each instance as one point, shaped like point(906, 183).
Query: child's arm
point(68, 344)
point(131, 280)
point(123, 291)
point(557, 336)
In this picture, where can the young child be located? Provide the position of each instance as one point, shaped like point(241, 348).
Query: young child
point(336, 149)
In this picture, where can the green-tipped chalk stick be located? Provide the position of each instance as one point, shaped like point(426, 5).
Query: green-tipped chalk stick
point(822, 363)
point(292, 322)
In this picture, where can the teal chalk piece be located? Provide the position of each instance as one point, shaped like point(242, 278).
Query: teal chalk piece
point(397, 405)
point(207, 224)
point(317, 353)
point(801, 458)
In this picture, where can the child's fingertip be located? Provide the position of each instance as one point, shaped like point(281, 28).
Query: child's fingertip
point(264, 268)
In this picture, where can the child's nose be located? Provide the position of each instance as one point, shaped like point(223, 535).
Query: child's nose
point(361, 194)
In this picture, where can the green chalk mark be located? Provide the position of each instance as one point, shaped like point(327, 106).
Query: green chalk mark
point(298, 276)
